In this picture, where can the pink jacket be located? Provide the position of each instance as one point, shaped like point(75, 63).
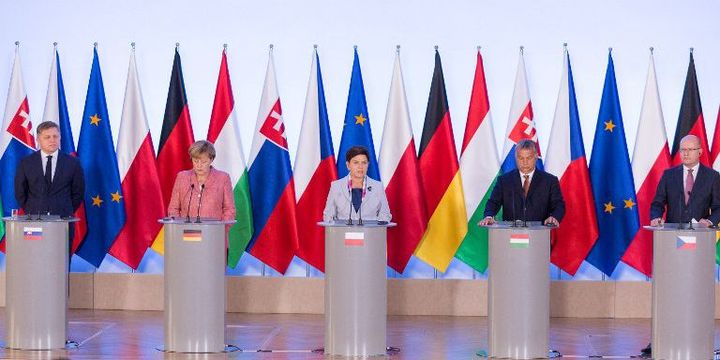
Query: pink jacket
point(217, 198)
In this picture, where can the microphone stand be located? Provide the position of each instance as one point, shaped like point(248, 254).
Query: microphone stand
point(192, 188)
point(690, 224)
point(202, 190)
point(514, 224)
point(349, 220)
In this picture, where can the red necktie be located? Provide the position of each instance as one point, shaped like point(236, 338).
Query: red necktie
point(689, 182)
point(526, 184)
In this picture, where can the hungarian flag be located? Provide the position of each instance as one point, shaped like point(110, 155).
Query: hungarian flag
point(314, 170)
point(175, 140)
point(16, 140)
point(356, 130)
point(275, 238)
point(612, 182)
point(56, 110)
point(401, 170)
point(103, 193)
point(566, 158)
point(223, 131)
point(520, 121)
point(441, 180)
point(479, 167)
point(140, 181)
point(650, 159)
point(690, 120)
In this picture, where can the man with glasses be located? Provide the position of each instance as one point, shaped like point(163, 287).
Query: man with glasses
point(690, 191)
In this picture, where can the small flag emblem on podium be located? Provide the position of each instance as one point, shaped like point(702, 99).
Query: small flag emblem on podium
point(32, 233)
point(686, 242)
point(192, 235)
point(519, 241)
point(354, 239)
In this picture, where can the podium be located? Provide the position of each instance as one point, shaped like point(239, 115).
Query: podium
point(194, 285)
point(36, 282)
point(518, 290)
point(355, 288)
point(683, 292)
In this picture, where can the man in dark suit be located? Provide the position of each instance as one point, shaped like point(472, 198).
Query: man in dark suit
point(689, 191)
point(526, 193)
point(48, 181)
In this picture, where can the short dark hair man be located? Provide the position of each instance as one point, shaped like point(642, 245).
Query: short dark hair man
point(526, 193)
point(48, 181)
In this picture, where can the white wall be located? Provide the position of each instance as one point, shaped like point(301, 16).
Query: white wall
point(457, 27)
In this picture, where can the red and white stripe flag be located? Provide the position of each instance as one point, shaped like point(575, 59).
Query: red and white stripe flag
point(139, 175)
point(650, 158)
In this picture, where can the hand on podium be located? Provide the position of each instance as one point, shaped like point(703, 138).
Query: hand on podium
point(488, 220)
point(657, 222)
point(551, 221)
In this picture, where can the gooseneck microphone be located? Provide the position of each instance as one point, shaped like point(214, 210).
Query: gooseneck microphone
point(202, 190)
point(524, 217)
point(192, 188)
point(513, 208)
point(349, 220)
point(690, 224)
point(360, 222)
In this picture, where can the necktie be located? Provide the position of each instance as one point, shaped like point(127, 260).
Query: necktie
point(48, 170)
point(526, 184)
point(689, 182)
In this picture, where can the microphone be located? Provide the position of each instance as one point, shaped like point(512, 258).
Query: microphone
point(360, 222)
point(513, 208)
point(349, 220)
point(192, 188)
point(690, 224)
point(202, 190)
point(524, 217)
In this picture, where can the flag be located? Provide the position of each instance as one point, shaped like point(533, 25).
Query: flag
point(686, 242)
point(520, 121)
point(223, 131)
point(690, 120)
point(56, 110)
point(139, 174)
point(356, 130)
point(520, 241)
point(314, 170)
point(32, 233)
point(403, 187)
point(16, 141)
point(650, 159)
point(275, 238)
point(715, 159)
point(175, 140)
point(103, 193)
point(441, 180)
point(479, 167)
point(612, 181)
point(566, 158)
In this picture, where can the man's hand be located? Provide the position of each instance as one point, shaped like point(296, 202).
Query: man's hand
point(551, 221)
point(706, 222)
point(488, 220)
point(657, 222)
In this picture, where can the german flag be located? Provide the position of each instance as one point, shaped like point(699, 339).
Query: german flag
point(175, 139)
point(690, 120)
point(441, 180)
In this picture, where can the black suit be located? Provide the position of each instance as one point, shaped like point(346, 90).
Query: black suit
point(544, 198)
point(62, 197)
point(704, 200)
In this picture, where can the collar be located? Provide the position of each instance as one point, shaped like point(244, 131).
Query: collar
point(45, 155)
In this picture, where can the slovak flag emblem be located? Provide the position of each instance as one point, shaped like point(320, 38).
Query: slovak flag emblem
point(32, 233)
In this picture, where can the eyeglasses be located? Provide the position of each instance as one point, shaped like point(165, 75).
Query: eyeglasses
point(685, 151)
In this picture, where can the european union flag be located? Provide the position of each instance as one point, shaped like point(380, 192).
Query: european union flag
point(356, 130)
point(104, 203)
point(612, 181)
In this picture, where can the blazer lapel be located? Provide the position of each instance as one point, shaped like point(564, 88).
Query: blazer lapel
point(534, 182)
point(346, 192)
point(700, 179)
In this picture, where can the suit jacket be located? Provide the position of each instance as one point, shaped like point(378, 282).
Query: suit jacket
point(374, 206)
point(62, 197)
point(217, 198)
point(544, 198)
point(704, 202)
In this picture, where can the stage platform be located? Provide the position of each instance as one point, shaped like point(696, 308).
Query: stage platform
point(121, 335)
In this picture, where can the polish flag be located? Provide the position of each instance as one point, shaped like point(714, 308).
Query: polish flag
point(650, 158)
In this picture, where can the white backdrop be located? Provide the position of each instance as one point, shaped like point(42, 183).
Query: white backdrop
point(375, 26)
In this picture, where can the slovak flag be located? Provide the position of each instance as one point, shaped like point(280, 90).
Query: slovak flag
point(16, 139)
point(520, 122)
point(275, 239)
point(314, 170)
point(566, 158)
